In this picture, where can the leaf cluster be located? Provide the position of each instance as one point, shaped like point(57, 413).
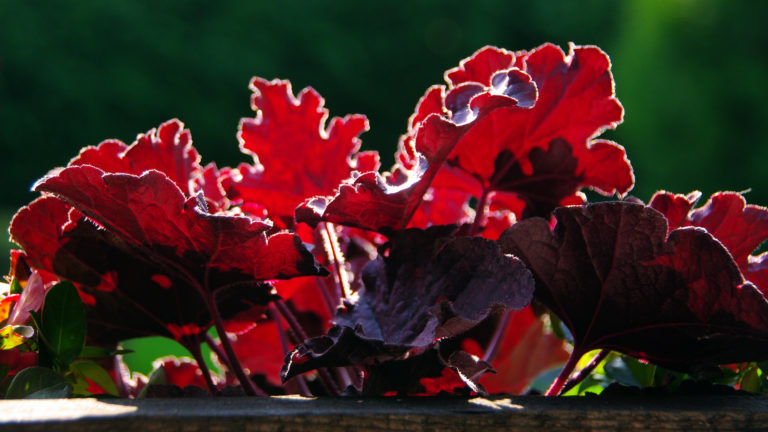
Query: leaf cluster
point(474, 265)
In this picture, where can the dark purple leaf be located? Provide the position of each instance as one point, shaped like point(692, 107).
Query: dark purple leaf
point(430, 286)
point(615, 279)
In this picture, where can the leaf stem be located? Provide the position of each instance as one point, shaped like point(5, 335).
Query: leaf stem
point(336, 257)
point(322, 373)
point(248, 385)
point(493, 347)
point(479, 212)
point(194, 348)
point(557, 385)
point(299, 380)
point(217, 349)
point(584, 373)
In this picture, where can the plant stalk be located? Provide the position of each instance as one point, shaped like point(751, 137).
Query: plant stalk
point(194, 349)
point(217, 349)
point(584, 373)
point(493, 347)
point(249, 386)
point(299, 380)
point(557, 385)
point(479, 213)
point(322, 373)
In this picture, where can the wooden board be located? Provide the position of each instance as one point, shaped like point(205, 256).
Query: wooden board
point(530, 413)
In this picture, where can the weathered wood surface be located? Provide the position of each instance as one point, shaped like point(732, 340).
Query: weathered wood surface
point(731, 413)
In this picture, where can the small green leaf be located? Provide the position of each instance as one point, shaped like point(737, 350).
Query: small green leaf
point(751, 381)
point(157, 377)
point(38, 383)
point(63, 324)
point(12, 336)
point(16, 287)
point(97, 374)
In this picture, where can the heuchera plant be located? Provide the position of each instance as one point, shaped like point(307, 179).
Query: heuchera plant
point(474, 265)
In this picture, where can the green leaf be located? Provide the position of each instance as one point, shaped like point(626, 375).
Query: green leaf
point(63, 324)
point(619, 370)
point(95, 373)
point(751, 381)
point(644, 373)
point(157, 377)
point(12, 336)
point(38, 383)
point(16, 287)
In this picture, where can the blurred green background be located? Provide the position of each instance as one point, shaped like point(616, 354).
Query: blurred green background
point(692, 75)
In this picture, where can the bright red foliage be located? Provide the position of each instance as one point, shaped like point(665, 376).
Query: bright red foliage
point(137, 243)
point(288, 133)
point(158, 244)
point(508, 124)
point(544, 154)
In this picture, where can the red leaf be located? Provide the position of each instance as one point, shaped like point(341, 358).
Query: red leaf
point(544, 154)
point(149, 212)
point(118, 284)
point(167, 149)
point(260, 351)
point(295, 156)
point(727, 216)
point(181, 372)
point(524, 129)
point(526, 351)
point(615, 279)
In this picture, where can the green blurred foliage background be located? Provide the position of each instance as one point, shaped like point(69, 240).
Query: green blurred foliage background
point(692, 74)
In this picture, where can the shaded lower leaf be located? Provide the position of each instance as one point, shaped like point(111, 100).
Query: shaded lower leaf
point(430, 286)
point(96, 374)
point(38, 383)
point(63, 323)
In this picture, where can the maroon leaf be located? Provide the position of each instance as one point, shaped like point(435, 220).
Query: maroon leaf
point(430, 286)
point(290, 132)
point(615, 279)
point(126, 294)
point(727, 216)
point(150, 248)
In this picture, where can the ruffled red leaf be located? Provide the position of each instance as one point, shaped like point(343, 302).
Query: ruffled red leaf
point(741, 227)
point(149, 212)
point(544, 154)
point(290, 132)
point(167, 149)
point(617, 281)
point(430, 286)
point(524, 129)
